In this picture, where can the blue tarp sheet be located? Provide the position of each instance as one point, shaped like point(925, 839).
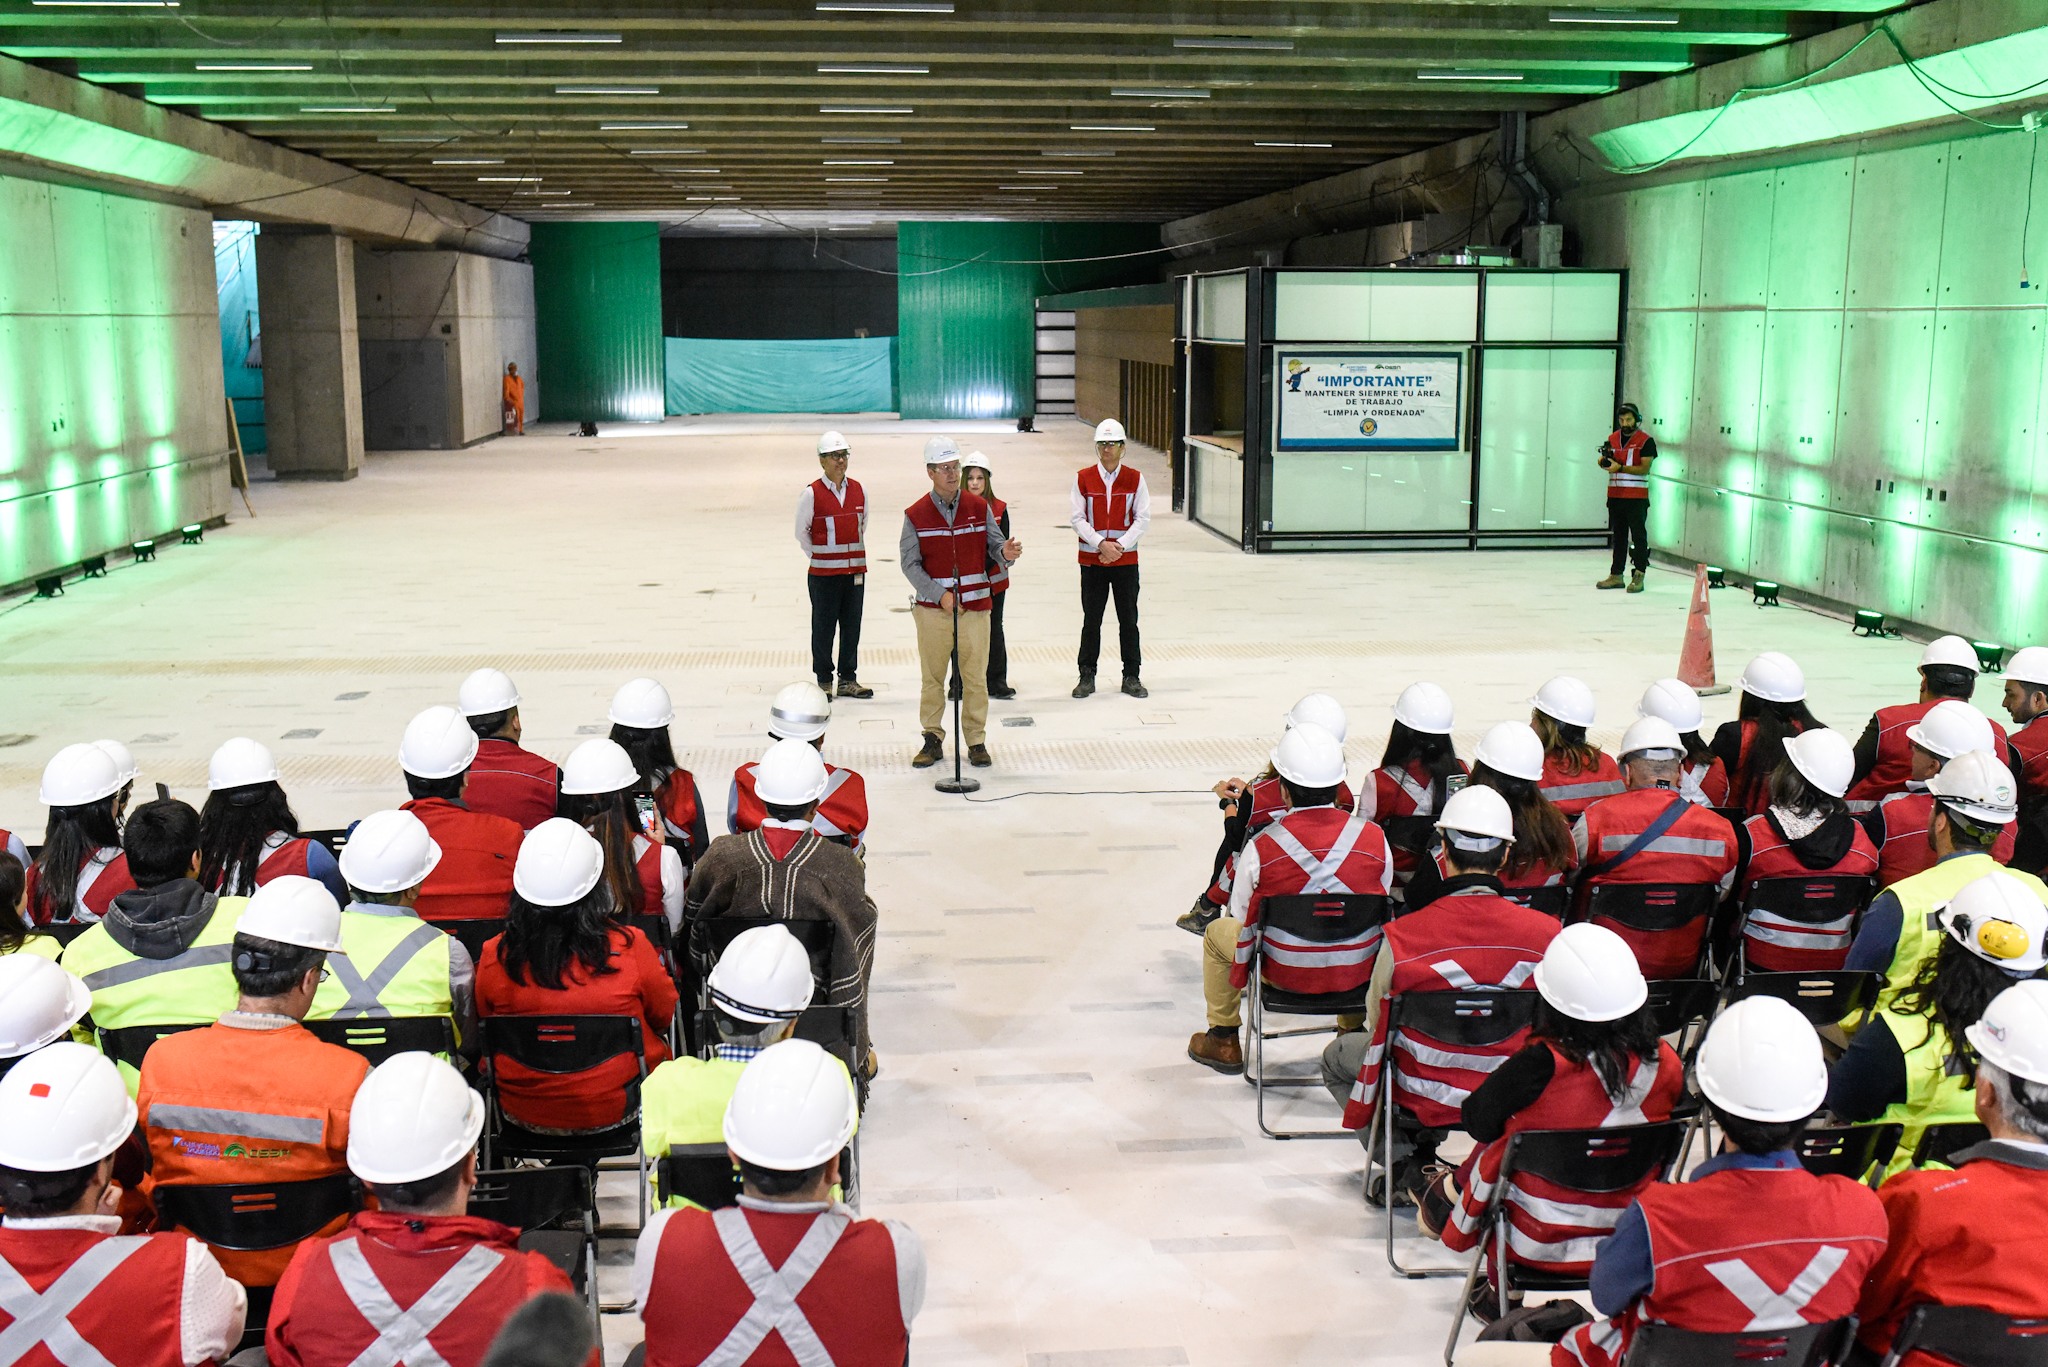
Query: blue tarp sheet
point(826, 375)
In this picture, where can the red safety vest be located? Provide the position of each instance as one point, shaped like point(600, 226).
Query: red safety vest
point(1711, 780)
point(1626, 449)
point(516, 784)
point(1573, 793)
point(1894, 766)
point(1717, 1270)
point(122, 1294)
point(678, 803)
point(288, 858)
point(647, 868)
point(1903, 818)
point(473, 881)
point(103, 877)
point(1698, 848)
point(836, 545)
point(1463, 940)
point(1313, 850)
point(1773, 944)
point(1551, 1226)
point(1112, 507)
point(998, 568)
point(743, 1280)
point(1267, 800)
point(843, 811)
point(1397, 793)
point(955, 554)
point(2031, 741)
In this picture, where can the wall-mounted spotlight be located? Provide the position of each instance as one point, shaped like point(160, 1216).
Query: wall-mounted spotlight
point(95, 568)
point(1869, 622)
point(53, 587)
point(1764, 593)
point(193, 533)
point(142, 550)
point(1717, 578)
point(1990, 656)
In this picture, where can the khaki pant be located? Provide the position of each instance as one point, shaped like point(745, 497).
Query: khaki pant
point(1219, 953)
point(934, 653)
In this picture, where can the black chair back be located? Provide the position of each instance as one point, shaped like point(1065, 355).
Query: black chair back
point(63, 932)
point(248, 1216)
point(1971, 1336)
point(1654, 918)
point(1597, 1161)
point(703, 1173)
point(1734, 816)
point(1325, 918)
point(129, 1043)
point(1848, 1150)
point(1822, 998)
point(1677, 1002)
point(1941, 1143)
point(1554, 899)
point(377, 1038)
point(709, 937)
point(1805, 1345)
point(1475, 1018)
point(531, 1198)
point(473, 934)
point(562, 1044)
point(655, 927)
point(1810, 901)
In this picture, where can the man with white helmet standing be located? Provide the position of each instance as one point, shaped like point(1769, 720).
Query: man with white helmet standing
point(472, 881)
point(787, 1263)
point(392, 963)
point(1898, 823)
point(1110, 510)
point(504, 780)
point(2026, 702)
point(831, 531)
point(802, 711)
point(1884, 753)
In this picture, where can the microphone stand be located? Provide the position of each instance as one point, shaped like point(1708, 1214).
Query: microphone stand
point(957, 784)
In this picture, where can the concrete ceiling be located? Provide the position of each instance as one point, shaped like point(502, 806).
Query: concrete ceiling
point(1020, 109)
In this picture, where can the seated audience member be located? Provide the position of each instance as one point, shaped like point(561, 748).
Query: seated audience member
point(392, 963)
point(1470, 937)
point(418, 1279)
point(786, 870)
point(1977, 1235)
point(16, 935)
point(1409, 787)
point(802, 712)
point(124, 760)
point(159, 1300)
point(473, 880)
point(12, 845)
point(1312, 847)
point(2026, 702)
point(640, 715)
point(255, 1097)
point(247, 832)
point(80, 869)
point(1948, 673)
point(1593, 1060)
point(1576, 773)
point(39, 1003)
point(1751, 747)
point(1897, 823)
point(563, 954)
point(551, 1330)
point(788, 1274)
point(1509, 760)
point(1908, 1066)
point(642, 875)
point(504, 780)
point(159, 956)
point(1807, 832)
point(1703, 1254)
point(1702, 778)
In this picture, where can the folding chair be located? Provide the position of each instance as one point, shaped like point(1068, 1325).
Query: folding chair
point(1821, 997)
point(1789, 910)
point(129, 1043)
point(1591, 1161)
point(1308, 921)
point(1552, 899)
point(706, 939)
point(1806, 1345)
point(1666, 924)
point(377, 1038)
point(1479, 1019)
point(1940, 1143)
point(473, 934)
point(703, 1173)
point(1848, 1150)
point(1676, 1005)
point(532, 1199)
point(1971, 1336)
point(655, 927)
point(63, 932)
point(563, 1045)
point(250, 1216)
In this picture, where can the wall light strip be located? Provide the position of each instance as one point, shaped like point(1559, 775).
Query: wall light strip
point(1077, 154)
point(856, 180)
point(348, 109)
point(1442, 75)
point(1245, 44)
point(1661, 18)
point(881, 7)
point(607, 90)
point(850, 142)
point(664, 151)
point(252, 66)
point(1111, 128)
point(1290, 144)
point(563, 37)
point(1026, 171)
point(873, 69)
point(509, 180)
point(1027, 187)
point(641, 127)
point(857, 162)
point(696, 171)
point(469, 161)
point(1162, 93)
point(865, 109)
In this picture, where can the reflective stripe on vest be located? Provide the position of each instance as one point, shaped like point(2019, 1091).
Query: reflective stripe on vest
point(44, 1318)
point(1663, 844)
point(1321, 873)
point(1418, 793)
point(1919, 934)
point(775, 1289)
point(1770, 1309)
point(366, 990)
point(1625, 452)
point(402, 1334)
point(836, 545)
point(287, 1129)
point(1575, 792)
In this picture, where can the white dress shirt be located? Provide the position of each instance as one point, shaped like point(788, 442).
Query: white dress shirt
point(807, 508)
point(212, 1307)
point(1141, 514)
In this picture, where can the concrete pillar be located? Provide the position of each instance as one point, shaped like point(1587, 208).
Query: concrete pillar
point(312, 366)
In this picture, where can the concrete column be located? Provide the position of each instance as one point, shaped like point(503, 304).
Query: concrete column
point(312, 366)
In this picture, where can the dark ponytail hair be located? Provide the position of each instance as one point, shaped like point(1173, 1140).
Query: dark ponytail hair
point(14, 931)
point(651, 752)
point(614, 819)
point(1610, 1047)
point(71, 837)
point(233, 826)
point(1434, 752)
point(1542, 836)
point(1749, 776)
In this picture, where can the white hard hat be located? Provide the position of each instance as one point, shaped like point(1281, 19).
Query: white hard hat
point(792, 1110)
point(1424, 707)
point(941, 450)
point(1824, 758)
point(1761, 1060)
point(2000, 920)
point(800, 711)
point(1109, 429)
point(239, 763)
point(2012, 1034)
point(486, 692)
point(827, 444)
point(389, 851)
point(2029, 665)
point(559, 862)
point(598, 766)
point(437, 744)
point(1952, 727)
point(123, 758)
point(1978, 787)
point(413, 1117)
point(790, 774)
point(1774, 677)
point(1591, 974)
point(1309, 756)
point(61, 1108)
point(38, 1003)
point(975, 460)
point(764, 975)
point(1675, 702)
point(293, 911)
point(1320, 709)
point(641, 703)
point(79, 774)
point(1566, 699)
point(1512, 748)
point(1477, 811)
point(1654, 735)
point(1953, 651)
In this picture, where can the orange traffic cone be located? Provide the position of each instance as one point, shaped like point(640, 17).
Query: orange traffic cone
point(1696, 656)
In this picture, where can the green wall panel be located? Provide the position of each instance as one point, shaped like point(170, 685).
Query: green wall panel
point(597, 306)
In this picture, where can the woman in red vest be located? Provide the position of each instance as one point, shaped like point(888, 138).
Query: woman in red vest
point(247, 832)
point(81, 867)
point(1576, 773)
point(1509, 760)
point(641, 873)
point(977, 477)
point(1409, 787)
point(640, 715)
point(1752, 746)
point(1808, 832)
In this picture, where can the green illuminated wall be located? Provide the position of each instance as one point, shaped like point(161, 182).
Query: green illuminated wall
point(241, 325)
point(1845, 375)
point(597, 312)
point(113, 421)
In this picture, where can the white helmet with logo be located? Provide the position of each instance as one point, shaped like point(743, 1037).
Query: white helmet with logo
point(2012, 1034)
point(62, 1107)
point(941, 451)
point(1108, 430)
point(1978, 787)
point(832, 442)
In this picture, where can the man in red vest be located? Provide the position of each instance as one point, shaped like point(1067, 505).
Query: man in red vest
point(1626, 457)
point(73, 1289)
point(1884, 752)
point(1111, 508)
point(418, 1279)
point(788, 1275)
point(831, 530)
point(2026, 701)
point(473, 881)
point(1751, 1241)
point(505, 780)
point(1898, 824)
point(948, 540)
point(802, 711)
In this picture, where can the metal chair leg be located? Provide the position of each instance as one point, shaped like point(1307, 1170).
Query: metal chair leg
point(1464, 1299)
point(1387, 1165)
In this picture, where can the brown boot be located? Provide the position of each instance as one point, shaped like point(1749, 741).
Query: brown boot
point(978, 756)
point(1612, 581)
point(1635, 582)
point(1218, 1050)
point(934, 750)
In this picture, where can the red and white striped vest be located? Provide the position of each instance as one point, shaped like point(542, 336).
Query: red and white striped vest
point(1313, 850)
point(1698, 848)
point(1775, 944)
point(1705, 783)
point(2031, 741)
point(1625, 449)
point(1268, 801)
point(1573, 793)
point(836, 545)
point(107, 1298)
point(955, 554)
point(102, 877)
point(1396, 793)
point(843, 811)
point(998, 568)
point(1112, 507)
point(1894, 766)
point(1903, 817)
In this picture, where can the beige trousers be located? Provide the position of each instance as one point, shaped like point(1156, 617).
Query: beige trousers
point(934, 653)
point(1219, 952)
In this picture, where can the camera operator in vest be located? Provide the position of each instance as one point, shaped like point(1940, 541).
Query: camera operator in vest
point(1313, 847)
point(2026, 702)
point(1468, 938)
point(1110, 508)
point(1807, 833)
point(504, 780)
point(832, 532)
point(1898, 823)
point(1884, 752)
point(472, 881)
point(788, 1261)
point(1626, 457)
point(1750, 1240)
point(802, 711)
point(418, 1278)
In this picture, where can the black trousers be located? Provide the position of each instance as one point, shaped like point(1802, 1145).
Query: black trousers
point(835, 605)
point(1628, 529)
point(1100, 583)
point(998, 653)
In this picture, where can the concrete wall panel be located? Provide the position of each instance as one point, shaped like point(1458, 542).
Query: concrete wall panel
point(1810, 235)
point(1738, 222)
point(1895, 235)
point(1802, 363)
point(1981, 410)
point(1664, 246)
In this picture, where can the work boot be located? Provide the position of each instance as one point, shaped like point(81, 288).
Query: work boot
point(1612, 581)
point(1437, 1202)
point(1218, 1048)
point(1196, 919)
point(1134, 688)
point(977, 755)
point(1085, 687)
point(1003, 692)
point(934, 750)
point(853, 688)
point(1635, 582)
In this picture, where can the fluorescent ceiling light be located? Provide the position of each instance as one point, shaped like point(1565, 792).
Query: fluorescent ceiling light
point(565, 204)
point(858, 162)
point(1027, 187)
point(1663, 18)
point(696, 171)
point(509, 180)
point(641, 127)
point(543, 192)
point(873, 69)
point(1451, 75)
point(1162, 93)
point(1248, 44)
point(856, 180)
point(119, 4)
point(881, 7)
point(607, 90)
point(865, 109)
point(252, 66)
point(347, 109)
point(1290, 144)
point(1077, 154)
point(1028, 172)
point(664, 151)
point(847, 142)
point(469, 161)
point(411, 137)
point(561, 38)
point(1112, 128)
point(724, 199)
